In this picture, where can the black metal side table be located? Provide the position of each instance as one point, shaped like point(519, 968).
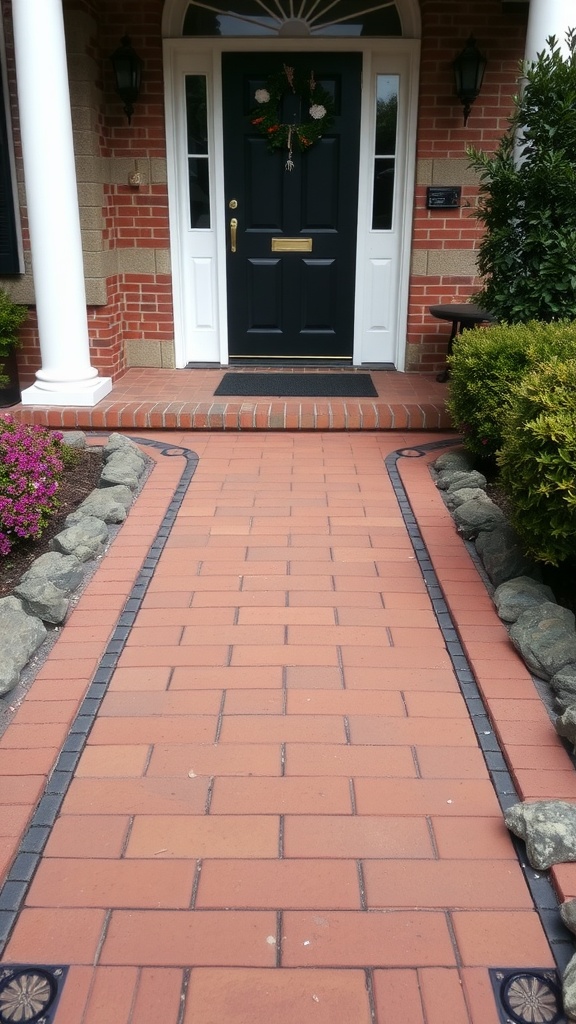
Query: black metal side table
point(461, 315)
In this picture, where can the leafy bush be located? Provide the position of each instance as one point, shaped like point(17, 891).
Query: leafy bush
point(30, 470)
point(538, 461)
point(11, 318)
point(485, 365)
point(527, 256)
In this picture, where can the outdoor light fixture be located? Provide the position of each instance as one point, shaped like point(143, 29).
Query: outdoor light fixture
point(469, 68)
point(128, 74)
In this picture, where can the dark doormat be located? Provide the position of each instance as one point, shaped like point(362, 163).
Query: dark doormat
point(298, 385)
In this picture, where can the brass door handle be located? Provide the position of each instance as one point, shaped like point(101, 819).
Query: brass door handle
point(233, 230)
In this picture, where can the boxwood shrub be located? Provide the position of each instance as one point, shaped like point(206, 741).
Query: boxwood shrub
point(537, 460)
point(486, 365)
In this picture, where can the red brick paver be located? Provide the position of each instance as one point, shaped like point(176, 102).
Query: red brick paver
point(282, 812)
point(155, 399)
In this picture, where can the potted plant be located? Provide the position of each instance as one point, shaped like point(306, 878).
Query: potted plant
point(12, 317)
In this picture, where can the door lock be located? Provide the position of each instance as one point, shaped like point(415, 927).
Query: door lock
point(233, 204)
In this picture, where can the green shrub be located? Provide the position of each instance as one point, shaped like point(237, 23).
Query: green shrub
point(527, 256)
point(12, 317)
point(485, 366)
point(538, 461)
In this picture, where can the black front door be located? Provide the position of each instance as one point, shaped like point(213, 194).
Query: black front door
point(290, 281)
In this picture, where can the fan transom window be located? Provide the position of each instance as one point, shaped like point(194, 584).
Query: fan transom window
point(292, 18)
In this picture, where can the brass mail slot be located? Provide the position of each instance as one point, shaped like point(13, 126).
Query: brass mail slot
point(291, 245)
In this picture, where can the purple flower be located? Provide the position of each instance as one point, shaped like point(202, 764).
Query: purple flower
point(30, 470)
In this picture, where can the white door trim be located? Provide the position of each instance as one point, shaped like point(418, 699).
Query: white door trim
point(205, 340)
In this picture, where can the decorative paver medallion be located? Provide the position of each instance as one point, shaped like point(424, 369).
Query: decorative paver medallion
point(29, 994)
point(528, 997)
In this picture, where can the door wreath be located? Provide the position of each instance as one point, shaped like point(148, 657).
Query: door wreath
point(280, 135)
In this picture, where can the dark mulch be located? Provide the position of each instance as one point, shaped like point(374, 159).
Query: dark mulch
point(76, 484)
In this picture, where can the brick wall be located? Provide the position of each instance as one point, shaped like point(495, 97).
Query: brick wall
point(444, 241)
point(125, 228)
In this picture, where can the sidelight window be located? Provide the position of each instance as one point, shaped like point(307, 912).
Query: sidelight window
point(198, 157)
point(387, 87)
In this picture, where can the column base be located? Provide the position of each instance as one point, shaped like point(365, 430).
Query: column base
point(68, 395)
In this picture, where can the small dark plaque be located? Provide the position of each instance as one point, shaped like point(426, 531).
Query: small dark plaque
point(443, 197)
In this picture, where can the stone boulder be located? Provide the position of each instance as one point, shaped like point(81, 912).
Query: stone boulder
point(566, 726)
point(42, 598)
point(548, 827)
point(568, 915)
point(569, 989)
point(118, 442)
point(86, 540)
point(454, 480)
point(476, 516)
point(501, 554)
point(64, 571)
point(459, 461)
point(74, 438)
point(122, 467)
point(515, 596)
point(110, 504)
point(20, 635)
point(545, 638)
point(563, 685)
point(455, 498)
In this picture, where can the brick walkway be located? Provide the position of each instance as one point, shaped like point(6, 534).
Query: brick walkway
point(282, 813)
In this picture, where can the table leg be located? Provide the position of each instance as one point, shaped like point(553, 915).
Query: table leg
point(443, 377)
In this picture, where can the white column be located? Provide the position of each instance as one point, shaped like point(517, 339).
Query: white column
point(66, 377)
point(548, 18)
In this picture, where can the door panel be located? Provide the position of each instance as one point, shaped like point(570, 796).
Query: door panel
point(291, 305)
point(319, 296)
point(264, 296)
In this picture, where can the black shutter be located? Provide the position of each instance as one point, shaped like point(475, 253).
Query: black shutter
point(9, 258)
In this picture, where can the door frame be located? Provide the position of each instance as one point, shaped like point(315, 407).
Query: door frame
point(203, 56)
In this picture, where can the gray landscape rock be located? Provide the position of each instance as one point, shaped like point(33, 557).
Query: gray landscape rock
point(455, 460)
point(20, 635)
point(455, 498)
point(548, 827)
point(123, 467)
point(64, 571)
point(568, 914)
point(566, 726)
point(86, 540)
point(42, 595)
point(569, 989)
point(42, 598)
point(453, 480)
point(563, 685)
point(118, 442)
point(501, 554)
point(74, 438)
point(516, 596)
point(545, 637)
point(110, 504)
point(473, 517)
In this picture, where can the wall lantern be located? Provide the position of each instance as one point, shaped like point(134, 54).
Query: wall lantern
point(469, 68)
point(128, 75)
